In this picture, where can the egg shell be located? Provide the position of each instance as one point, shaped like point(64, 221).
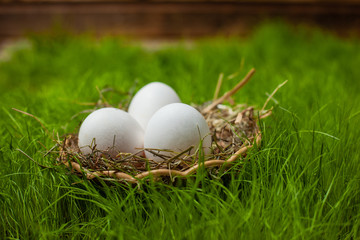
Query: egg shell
point(112, 130)
point(149, 99)
point(176, 126)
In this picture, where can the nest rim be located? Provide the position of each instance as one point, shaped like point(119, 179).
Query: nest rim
point(162, 172)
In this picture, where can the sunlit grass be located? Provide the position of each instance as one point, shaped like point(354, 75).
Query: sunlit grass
point(302, 183)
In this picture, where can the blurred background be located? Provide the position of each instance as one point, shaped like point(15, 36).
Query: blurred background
point(172, 19)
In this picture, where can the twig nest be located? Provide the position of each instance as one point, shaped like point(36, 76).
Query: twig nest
point(231, 139)
point(228, 131)
point(176, 127)
point(110, 131)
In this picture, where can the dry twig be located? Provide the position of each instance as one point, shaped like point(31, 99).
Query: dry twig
point(231, 92)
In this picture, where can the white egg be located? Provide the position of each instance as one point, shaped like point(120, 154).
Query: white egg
point(112, 130)
point(176, 127)
point(149, 99)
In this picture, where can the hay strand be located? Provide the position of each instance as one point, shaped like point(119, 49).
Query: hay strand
point(218, 86)
point(231, 92)
point(272, 95)
point(36, 119)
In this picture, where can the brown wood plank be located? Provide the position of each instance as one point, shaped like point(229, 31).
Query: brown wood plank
point(149, 19)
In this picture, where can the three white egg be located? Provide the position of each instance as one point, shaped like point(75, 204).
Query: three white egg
point(156, 119)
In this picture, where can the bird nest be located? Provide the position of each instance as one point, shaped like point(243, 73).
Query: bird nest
point(234, 131)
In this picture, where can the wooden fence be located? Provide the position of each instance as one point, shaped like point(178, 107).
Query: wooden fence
point(173, 19)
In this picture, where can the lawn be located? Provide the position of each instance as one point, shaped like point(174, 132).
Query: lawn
point(302, 183)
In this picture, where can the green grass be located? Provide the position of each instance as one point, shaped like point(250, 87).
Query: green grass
point(303, 183)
